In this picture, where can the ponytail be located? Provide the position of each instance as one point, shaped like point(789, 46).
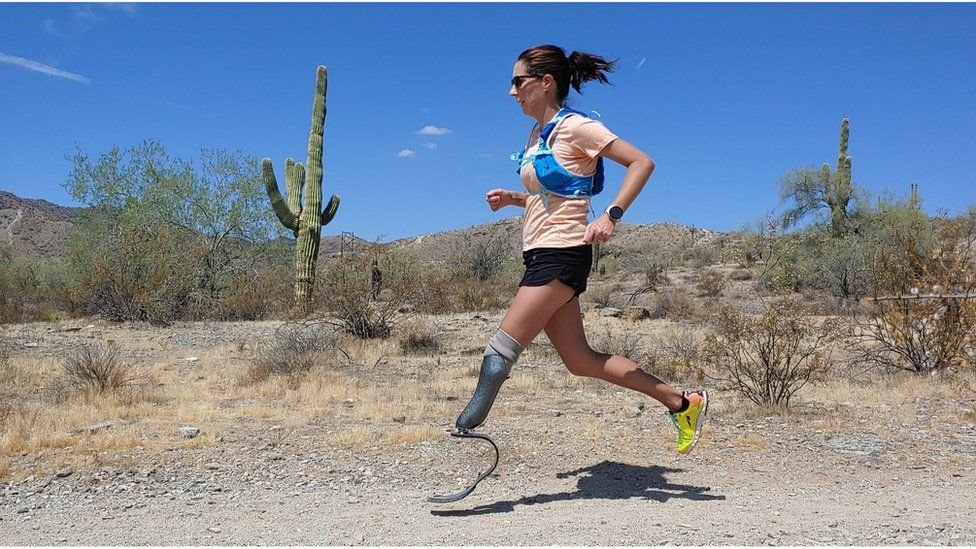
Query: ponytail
point(584, 67)
point(575, 70)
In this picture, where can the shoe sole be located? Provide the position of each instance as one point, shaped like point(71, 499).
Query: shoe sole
point(698, 423)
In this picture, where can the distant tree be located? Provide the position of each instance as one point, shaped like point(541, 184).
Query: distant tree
point(216, 203)
point(810, 190)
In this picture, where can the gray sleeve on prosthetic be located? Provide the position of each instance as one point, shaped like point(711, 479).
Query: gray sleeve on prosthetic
point(496, 364)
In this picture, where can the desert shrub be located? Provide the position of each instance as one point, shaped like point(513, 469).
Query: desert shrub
point(680, 348)
point(675, 305)
point(770, 357)
point(482, 257)
point(701, 254)
point(294, 351)
point(922, 315)
point(711, 283)
point(257, 295)
point(492, 294)
point(132, 271)
point(741, 274)
point(441, 292)
point(603, 295)
point(97, 368)
point(626, 343)
point(348, 296)
point(31, 288)
point(418, 337)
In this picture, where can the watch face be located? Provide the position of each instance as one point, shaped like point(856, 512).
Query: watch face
point(616, 212)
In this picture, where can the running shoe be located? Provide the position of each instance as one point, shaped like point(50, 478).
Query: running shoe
point(689, 422)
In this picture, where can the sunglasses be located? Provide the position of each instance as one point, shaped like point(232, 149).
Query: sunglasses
point(517, 80)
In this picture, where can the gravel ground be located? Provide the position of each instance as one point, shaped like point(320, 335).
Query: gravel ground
point(871, 479)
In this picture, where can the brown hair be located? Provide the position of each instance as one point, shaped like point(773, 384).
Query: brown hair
point(574, 70)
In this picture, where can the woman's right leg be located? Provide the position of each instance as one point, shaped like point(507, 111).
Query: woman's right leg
point(565, 331)
point(687, 410)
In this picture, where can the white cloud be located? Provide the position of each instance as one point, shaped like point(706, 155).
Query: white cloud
point(434, 130)
point(51, 28)
point(85, 18)
point(407, 153)
point(122, 6)
point(431, 146)
point(641, 64)
point(29, 65)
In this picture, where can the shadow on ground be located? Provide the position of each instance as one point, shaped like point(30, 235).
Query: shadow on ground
point(605, 480)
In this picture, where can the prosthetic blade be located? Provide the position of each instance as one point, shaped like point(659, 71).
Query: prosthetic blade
point(457, 496)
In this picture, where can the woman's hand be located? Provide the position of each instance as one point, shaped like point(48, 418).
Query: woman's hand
point(499, 198)
point(600, 230)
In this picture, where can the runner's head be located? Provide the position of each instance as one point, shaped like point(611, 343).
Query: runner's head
point(548, 67)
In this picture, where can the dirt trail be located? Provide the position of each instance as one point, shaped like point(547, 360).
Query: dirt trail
point(10, 227)
point(606, 503)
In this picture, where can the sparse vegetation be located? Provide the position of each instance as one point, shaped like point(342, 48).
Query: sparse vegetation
point(418, 336)
point(98, 368)
point(295, 350)
point(482, 257)
point(922, 313)
point(770, 357)
point(712, 283)
point(623, 342)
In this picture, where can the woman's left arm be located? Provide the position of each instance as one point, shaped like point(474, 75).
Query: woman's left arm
point(639, 167)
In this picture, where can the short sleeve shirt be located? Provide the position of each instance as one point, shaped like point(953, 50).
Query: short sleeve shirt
point(576, 143)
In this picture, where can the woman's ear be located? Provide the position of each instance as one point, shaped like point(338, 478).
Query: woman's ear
point(548, 81)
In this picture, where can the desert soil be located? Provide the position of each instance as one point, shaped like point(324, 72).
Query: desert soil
point(581, 463)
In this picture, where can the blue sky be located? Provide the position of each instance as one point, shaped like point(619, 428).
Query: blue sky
point(724, 97)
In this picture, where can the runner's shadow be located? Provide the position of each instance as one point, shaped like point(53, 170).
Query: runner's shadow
point(605, 480)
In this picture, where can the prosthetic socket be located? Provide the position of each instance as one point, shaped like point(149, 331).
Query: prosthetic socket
point(502, 352)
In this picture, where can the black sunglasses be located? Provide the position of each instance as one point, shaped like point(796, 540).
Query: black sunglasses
point(517, 80)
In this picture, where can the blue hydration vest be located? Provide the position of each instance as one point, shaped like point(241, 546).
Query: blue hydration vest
point(553, 177)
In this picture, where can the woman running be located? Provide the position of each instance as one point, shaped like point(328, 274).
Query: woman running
point(561, 168)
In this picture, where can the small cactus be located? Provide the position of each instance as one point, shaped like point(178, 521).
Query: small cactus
point(305, 219)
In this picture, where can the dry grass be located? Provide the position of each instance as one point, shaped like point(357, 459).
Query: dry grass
point(44, 412)
point(379, 398)
point(385, 437)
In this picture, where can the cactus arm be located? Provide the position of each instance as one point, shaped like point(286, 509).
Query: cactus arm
point(330, 209)
point(285, 215)
point(294, 183)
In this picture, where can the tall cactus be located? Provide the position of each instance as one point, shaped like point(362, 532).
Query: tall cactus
point(305, 219)
point(838, 189)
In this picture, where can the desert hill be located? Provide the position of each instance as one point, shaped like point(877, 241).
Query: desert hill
point(38, 228)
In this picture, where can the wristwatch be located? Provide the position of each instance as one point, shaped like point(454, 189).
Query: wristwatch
point(615, 212)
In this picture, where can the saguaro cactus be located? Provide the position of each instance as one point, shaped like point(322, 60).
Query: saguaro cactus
point(303, 213)
point(837, 186)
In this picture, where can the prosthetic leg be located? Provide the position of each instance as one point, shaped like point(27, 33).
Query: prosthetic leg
point(502, 352)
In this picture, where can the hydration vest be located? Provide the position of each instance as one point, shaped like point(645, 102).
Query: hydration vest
point(553, 177)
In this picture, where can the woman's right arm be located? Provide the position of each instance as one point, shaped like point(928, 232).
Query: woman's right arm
point(499, 198)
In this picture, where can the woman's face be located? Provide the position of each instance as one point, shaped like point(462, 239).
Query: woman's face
point(527, 90)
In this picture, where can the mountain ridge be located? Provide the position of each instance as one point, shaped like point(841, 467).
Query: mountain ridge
point(39, 228)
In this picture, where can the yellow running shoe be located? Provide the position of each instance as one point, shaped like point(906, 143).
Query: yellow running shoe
point(690, 421)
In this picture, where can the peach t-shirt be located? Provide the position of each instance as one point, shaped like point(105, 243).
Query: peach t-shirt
point(576, 142)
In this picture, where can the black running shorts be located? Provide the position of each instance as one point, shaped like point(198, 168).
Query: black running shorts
point(571, 266)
